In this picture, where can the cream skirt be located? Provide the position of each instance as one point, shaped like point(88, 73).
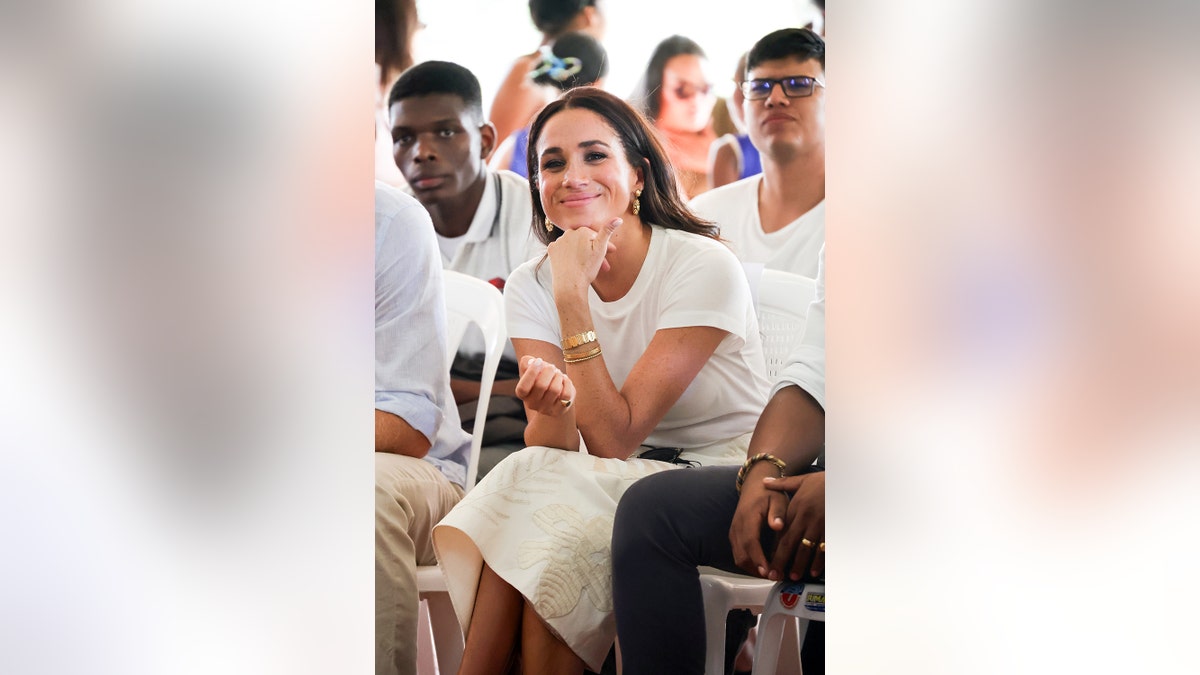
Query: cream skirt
point(542, 519)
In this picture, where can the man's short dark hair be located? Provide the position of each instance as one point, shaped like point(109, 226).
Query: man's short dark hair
point(800, 43)
point(439, 77)
point(553, 16)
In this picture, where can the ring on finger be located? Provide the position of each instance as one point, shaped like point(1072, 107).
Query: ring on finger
point(566, 403)
point(806, 543)
point(821, 547)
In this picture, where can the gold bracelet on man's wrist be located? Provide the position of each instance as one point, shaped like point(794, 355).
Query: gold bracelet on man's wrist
point(760, 457)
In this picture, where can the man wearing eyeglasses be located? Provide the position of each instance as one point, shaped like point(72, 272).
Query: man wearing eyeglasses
point(777, 219)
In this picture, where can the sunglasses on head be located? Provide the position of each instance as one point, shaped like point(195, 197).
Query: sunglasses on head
point(797, 86)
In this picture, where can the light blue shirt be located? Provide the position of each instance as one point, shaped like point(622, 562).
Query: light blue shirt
point(412, 376)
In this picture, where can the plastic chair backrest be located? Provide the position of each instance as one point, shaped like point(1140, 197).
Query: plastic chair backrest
point(474, 301)
point(783, 300)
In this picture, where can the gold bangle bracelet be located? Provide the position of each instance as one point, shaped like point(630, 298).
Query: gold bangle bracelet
point(579, 340)
point(761, 457)
point(590, 355)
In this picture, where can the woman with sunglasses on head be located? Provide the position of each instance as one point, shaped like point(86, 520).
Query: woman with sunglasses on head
point(519, 98)
point(676, 94)
point(574, 59)
point(639, 351)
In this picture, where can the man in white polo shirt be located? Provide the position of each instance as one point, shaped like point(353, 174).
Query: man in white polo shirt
point(777, 218)
point(483, 218)
point(441, 140)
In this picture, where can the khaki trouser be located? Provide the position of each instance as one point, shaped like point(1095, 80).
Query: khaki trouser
point(411, 496)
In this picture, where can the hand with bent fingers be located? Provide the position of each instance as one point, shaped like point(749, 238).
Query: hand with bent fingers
point(543, 387)
point(756, 506)
point(803, 521)
point(578, 255)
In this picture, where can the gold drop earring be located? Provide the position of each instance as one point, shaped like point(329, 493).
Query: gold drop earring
point(549, 226)
point(637, 202)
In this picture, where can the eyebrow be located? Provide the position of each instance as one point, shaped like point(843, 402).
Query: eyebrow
point(584, 144)
point(444, 120)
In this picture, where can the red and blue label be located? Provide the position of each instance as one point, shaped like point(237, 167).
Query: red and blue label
point(792, 594)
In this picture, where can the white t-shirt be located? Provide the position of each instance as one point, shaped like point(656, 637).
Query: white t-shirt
point(500, 237)
point(734, 207)
point(686, 280)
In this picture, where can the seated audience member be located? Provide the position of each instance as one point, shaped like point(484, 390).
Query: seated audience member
point(668, 525)
point(675, 92)
point(733, 156)
point(481, 217)
point(628, 268)
point(778, 217)
point(574, 60)
point(420, 450)
point(519, 99)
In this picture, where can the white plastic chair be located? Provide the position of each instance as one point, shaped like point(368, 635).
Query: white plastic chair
point(474, 301)
point(790, 604)
point(468, 300)
point(783, 300)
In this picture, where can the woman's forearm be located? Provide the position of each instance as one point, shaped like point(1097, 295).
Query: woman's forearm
point(605, 418)
point(552, 432)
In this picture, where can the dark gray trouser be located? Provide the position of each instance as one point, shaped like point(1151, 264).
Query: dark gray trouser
point(666, 526)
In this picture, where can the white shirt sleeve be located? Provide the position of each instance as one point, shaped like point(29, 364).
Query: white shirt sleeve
point(806, 364)
point(529, 306)
point(707, 288)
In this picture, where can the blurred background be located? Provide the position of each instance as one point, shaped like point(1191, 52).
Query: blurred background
point(486, 37)
point(186, 350)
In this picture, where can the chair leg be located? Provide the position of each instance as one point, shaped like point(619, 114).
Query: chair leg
point(794, 631)
point(447, 635)
point(426, 661)
point(716, 609)
point(770, 639)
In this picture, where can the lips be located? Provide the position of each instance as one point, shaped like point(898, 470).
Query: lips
point(575, 201)
point(778, 117)
point(427, 182)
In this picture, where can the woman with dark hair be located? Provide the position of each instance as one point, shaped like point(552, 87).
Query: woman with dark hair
point(518, 99)
point(639, 351)
point(676, 94)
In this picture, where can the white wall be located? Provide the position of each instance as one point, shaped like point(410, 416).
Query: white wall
point(486, 35)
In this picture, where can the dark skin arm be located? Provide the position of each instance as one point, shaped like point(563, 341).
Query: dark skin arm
point(792, 428)
point(394, 435)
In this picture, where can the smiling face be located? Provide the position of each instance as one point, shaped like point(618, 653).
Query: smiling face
point(687, 96)
point(584, 179)
point(780, 126)
point(439, 145)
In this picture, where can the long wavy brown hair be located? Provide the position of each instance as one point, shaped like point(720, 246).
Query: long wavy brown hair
point(662, 204)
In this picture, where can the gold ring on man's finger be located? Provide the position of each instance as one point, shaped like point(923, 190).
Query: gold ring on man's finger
point(566, 403)
point(806, 543)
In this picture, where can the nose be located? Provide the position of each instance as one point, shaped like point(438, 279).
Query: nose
point(574, 176)
point(424, 148)
point(774, 99)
